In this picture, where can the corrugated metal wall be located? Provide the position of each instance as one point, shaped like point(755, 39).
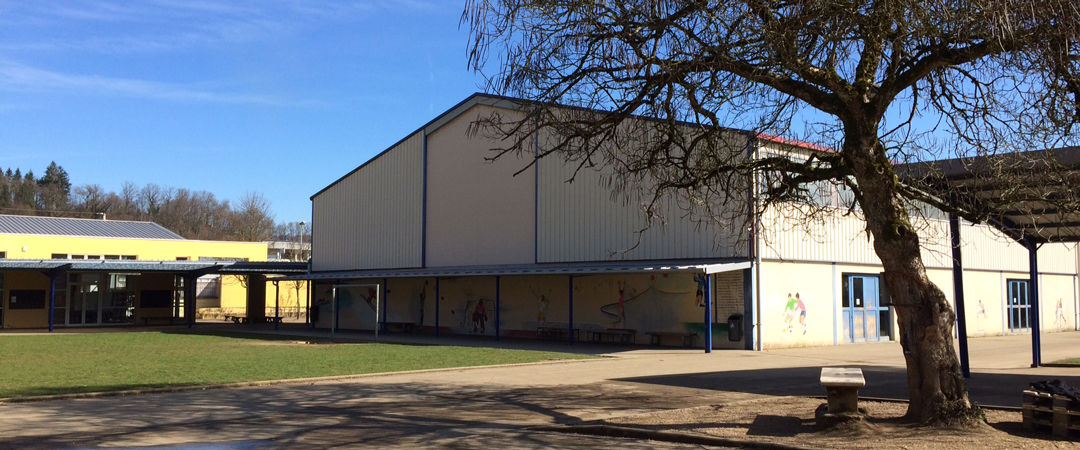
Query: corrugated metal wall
point(373, 218)
point(584, 221)
point(843, 240)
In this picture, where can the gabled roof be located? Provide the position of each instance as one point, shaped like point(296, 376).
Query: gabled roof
point(62, 226)
point(430, 127)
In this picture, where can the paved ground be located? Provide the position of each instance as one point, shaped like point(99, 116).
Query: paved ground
point(495, 406)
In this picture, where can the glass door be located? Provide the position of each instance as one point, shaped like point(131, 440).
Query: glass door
point(84, 299)
point(864, 317)
point(1019, 306)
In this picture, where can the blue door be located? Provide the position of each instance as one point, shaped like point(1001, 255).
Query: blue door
point(1019, 306)
point(864, 317)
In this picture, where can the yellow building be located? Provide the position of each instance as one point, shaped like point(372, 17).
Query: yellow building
point(102, 272)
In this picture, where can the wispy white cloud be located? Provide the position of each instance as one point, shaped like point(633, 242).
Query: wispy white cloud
point(158, 25)
point(17, 77)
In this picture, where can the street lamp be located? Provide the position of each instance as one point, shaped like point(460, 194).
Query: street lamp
point(301, 250)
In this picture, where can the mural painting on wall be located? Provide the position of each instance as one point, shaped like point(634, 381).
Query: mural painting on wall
point(699, 278)
point(794, 306)
point(980, 317)
point(363, 310)
point(615, 312)
point(542, 308)
point(1059, 316)
point(474, 315)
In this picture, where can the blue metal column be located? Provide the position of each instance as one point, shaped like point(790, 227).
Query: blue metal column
point(436, 306)
point(385, 298)
point(277, 304)
point(958, 293)
point(570, 328)
point(1033, 293)
point(52, 300)
point(708, 313)
point(497, 283)
point(189, 299)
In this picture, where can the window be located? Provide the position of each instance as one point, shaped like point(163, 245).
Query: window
point(183, 258)
point(112, 256)
point(3, 255)
point(59, 256)
point(128, 257)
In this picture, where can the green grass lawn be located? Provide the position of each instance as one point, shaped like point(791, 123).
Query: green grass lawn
point(1068, 362)
point(72, 363)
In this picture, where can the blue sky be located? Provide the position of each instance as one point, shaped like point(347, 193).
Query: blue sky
point(281, 97)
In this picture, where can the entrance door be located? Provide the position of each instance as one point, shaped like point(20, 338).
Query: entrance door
point(84, 299)
point(864, 318)
point(1019, 306)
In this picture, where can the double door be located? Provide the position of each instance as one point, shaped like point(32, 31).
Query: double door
point(83, 306)
point(1019, 308)
point(865, 319)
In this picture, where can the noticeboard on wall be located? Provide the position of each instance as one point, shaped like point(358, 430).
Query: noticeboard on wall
point(156, 298)
point(26, 299)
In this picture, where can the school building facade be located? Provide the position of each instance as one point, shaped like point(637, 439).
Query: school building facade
point(64, 272)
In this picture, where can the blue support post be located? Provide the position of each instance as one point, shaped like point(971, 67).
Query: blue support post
point(189, 300)
point(385, 298)
point(958, 293)
point(708, 313)
point(436, 306)
point(570, 329)
point(497, 283)
point(52, 300)
point(1033, 293)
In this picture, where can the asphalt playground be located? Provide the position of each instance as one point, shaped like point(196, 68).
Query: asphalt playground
point(498, 406)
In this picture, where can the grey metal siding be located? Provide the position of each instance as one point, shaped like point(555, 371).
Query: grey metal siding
point(585, 221)
point(373, 217)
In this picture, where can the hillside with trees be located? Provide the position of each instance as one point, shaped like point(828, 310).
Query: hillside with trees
point(191, 214)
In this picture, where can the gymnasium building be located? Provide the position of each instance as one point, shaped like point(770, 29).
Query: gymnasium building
point(430, 236)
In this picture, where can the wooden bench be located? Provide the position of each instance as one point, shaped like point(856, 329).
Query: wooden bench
point(243, 318)
point(842, 388)
point(687, 338)
point(621, 335)
point(404, 327)
point(147, 321)
point(555, 332)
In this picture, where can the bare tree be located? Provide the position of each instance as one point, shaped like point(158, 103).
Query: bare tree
point(252, 219)
point(878, 81)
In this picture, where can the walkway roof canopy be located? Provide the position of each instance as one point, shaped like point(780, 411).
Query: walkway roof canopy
point(185, 267)
point(531, 269)
point(1030, 196)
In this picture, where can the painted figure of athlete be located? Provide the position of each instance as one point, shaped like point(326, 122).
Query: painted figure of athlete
point(479, 316)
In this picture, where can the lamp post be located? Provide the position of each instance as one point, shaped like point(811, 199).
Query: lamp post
point(301, 249)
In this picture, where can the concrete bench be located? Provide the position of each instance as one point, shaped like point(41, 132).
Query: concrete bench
point(687, 338)
point(842, 388)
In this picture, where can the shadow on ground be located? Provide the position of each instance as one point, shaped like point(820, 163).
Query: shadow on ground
point(326, 415)
point(993, 389)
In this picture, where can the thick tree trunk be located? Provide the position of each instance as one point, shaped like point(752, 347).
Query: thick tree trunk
point(936, 385)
